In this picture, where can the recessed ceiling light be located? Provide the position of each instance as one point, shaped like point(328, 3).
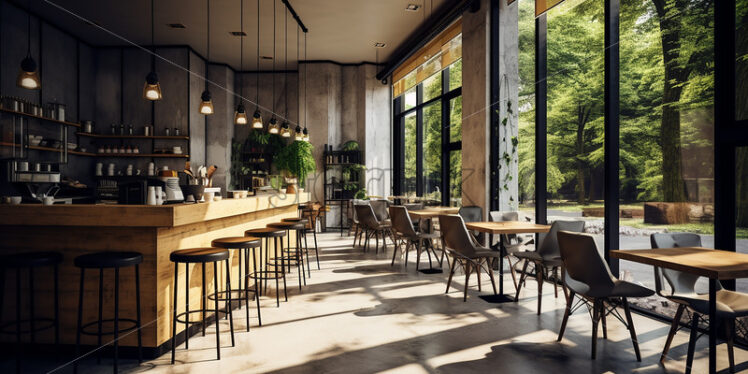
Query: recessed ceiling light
point(412, 7)
point(266, 57)
point(176, 25)
point(238, 33)
point(379, 45)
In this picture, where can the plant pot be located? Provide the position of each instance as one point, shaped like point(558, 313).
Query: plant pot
point(291, 188)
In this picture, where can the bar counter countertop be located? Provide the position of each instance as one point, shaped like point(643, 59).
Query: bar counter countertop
point(154, 231)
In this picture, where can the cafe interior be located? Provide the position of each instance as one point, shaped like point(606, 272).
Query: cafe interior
point(350, 186)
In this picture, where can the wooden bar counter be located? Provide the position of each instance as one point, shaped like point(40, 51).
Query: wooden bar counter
point(154, 231)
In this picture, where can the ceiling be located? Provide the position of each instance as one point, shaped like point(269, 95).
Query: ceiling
point(339, 30)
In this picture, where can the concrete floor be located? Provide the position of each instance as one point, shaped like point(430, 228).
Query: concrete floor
point(359, 315)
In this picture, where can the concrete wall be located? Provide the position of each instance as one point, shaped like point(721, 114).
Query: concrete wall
point(475, 126)
point(249, 83)
point(509, 73)
point(220, 125)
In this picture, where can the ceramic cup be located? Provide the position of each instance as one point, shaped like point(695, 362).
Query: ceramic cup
point(49, 200)
point(15, 200)
point(208, 196)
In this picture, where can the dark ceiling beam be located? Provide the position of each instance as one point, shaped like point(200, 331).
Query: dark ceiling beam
point(440, 20)
point(295, 16)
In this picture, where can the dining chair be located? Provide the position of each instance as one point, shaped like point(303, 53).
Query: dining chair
point(403, 226)
point(463, 248)
point(513, 243)
point(472, 213)
point(730, 304)
point(371, 226)
point(380, 207)
point(355, 224)
point(546, 259)
point(588, 277)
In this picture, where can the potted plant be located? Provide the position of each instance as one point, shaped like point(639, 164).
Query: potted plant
point(297, 161)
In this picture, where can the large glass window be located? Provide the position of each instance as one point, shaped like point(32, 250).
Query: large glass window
point(431, 114)
point(526, 107)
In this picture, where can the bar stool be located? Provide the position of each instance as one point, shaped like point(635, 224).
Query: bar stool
point(101, 261)
point(306, 222)
point(265, 274)
point(199, 256)
point(242, 244)
point(292, 256)
point(29, 261)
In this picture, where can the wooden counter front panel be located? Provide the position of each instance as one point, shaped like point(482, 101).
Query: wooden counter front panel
point(72, 242)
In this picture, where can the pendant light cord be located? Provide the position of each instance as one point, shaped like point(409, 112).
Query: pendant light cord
point(241, 51)
point(298, 98)
point(28, 39)
point(153, 38)
point(273, 98)
point(208, 33)
point(257, 74)
point(305, 75)
point(285, 63)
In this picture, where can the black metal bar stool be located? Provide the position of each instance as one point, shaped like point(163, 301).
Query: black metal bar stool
point(101, 261)
point(201, 256)
point(243, 244)
point(306, 222)
point(264, 274)
point(292, 256)
point(29, 261)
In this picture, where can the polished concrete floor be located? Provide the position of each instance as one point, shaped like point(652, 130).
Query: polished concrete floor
point(359, 315)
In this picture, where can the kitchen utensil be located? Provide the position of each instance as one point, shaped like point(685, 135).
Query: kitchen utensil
point(194, 191)
point(87, 126)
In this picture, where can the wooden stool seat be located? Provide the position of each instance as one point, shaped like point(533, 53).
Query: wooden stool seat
point(287, 225)
point(266, 232)
point(237, 242)
point(199, 255)
point(296, 219)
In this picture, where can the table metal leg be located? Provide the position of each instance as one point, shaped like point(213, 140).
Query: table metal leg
point(712, 325)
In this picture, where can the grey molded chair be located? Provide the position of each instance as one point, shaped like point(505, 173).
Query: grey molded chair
point(547, 258)
point(459, 243)
point(472, 213)
point(588, 277)
point(403, 226)
point(730, 304)
point(358, 231)
point(371, 226)
point(380, 210)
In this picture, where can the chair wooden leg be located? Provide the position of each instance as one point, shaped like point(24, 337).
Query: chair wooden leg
point(512, 271)
point(521, 280)
point(632, 331)
point(489, 270)
point(604, 320)
point(730, 335)
point(418, 254)
point(394, 254)
point(692, 342)
point(539, 273)
point(567, 312)
point(467, 279)
point(451, 274)
point(407, 249)
point(595, 320)
point(555, 281)
point(671, 333)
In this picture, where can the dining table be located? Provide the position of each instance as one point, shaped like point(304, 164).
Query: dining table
point(713, 264)
point(426, 217)
point(504, 228)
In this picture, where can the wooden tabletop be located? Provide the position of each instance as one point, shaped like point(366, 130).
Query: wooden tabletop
point(432, 212)
point(695, 260)
point(507, 227)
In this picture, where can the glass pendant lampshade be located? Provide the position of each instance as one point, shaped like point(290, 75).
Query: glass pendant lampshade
point(240, 117)
point(257, 120)
point(273, 127)
point(28, 77)
point(297, 134)
point(285, 130)
point(206, 106)
point(305, 134)
point(152, 89)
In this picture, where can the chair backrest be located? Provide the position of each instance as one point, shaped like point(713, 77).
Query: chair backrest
point(414, 206)
point(501, 216)
point(680, 282)
point(549, 247)
point(471, 213)
point(366, 216)
point(380, 209)
point(401, 221)
point(586, 271)
point(455, 234)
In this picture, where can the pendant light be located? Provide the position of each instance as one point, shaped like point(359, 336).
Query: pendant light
point(297, 134)
point(285, 128)
point(257, 116)
point(151, 88)
point(28, 77)
point(240, 117)
point(273, 127)
point(305, 131)
point(206, 106)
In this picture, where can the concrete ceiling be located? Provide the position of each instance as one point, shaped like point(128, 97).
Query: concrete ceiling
point(339, 30)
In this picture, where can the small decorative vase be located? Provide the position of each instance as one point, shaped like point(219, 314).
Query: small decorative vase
point(291, 188)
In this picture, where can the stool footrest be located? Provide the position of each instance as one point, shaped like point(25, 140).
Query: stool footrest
point(109, 332)
point(221, 294)
point(266, 274)
point(207, 311)
point(48, 323)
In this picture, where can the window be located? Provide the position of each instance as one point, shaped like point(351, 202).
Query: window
point(526, 107)
point(431, 120)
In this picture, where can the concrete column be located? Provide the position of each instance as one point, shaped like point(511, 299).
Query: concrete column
point(219, 129)
point(475, 97)
point(509, 98)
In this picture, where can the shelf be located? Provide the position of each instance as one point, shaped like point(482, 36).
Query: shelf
point(148, 155)
point(71, 124)
point(47, 149)
point(105, 136)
